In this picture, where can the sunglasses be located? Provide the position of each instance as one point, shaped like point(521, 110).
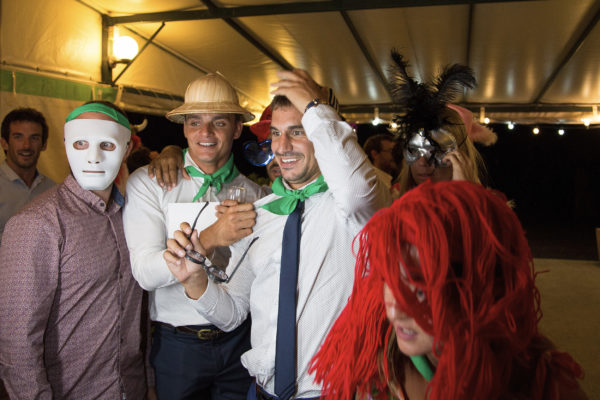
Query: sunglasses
point(258, 154)
point(215, 273)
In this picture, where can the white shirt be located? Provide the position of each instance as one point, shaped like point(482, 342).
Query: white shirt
point(14, 193)
point(326, 266)
point(144, 220)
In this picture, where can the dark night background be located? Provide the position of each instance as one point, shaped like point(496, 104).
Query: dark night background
point(554, 180)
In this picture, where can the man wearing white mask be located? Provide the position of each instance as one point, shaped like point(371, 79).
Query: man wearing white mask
point(69, 307)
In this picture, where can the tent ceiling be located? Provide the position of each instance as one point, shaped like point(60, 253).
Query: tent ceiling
point(535, 60)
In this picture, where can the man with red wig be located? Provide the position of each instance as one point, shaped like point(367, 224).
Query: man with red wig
point(444, 306)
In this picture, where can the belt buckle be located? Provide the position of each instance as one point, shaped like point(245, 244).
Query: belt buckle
point(206, 334)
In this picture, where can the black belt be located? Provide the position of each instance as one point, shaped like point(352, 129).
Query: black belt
point(202, 332)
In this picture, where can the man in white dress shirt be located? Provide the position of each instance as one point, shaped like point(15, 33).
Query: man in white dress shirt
point(324, 168)
point(191, 357)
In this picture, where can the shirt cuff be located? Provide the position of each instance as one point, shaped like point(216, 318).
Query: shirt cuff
point(317, 115)
point(207, 302)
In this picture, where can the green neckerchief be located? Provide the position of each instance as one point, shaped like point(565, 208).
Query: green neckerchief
point(225, 174)
point(289, 198)
point(423, 366)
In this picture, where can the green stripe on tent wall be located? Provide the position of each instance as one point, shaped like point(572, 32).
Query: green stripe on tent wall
point(6, 81)
point(49, 87)
point(45, 86)
point(105, 93)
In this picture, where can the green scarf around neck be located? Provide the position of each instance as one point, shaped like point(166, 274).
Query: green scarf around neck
point(225, 174)
point(423, 366)
point(290, 198)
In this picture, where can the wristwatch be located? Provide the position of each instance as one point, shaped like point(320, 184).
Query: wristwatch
point(313, 103)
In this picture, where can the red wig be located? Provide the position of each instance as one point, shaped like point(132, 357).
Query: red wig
point(482, 306)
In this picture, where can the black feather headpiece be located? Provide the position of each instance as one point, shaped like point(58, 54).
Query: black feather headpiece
point(425, 102)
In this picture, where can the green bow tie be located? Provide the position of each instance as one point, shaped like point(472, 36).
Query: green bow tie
point(225, 174)
point(289, 198)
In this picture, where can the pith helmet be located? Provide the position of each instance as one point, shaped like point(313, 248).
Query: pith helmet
point(209, 94)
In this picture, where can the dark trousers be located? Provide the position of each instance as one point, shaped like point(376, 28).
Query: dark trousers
point(186, 367)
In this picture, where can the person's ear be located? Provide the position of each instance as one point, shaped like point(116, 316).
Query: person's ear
point(374, 153)
point(238, 130)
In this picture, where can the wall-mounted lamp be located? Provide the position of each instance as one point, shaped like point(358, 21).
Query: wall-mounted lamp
point(120, 49)
point(536, 130)
point(510, 125)
point(124, 49)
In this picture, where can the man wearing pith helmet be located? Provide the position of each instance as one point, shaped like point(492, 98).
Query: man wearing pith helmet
point(295, 280)
point(191, 357)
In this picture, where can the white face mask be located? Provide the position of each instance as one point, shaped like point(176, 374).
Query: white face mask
point(95, 149)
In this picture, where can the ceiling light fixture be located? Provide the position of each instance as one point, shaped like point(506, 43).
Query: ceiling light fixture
point(376, 119)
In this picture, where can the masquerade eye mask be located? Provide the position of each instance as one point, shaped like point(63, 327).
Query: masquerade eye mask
point(258, 154)
point(433, 150)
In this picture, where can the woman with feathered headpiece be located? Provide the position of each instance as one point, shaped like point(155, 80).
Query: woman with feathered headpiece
point(444, 307)
point(436, 136)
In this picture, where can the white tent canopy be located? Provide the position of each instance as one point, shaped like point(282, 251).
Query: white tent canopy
point(536, 61)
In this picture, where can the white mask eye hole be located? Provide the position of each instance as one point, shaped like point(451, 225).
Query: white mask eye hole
point(80, 144)
point(108, 146)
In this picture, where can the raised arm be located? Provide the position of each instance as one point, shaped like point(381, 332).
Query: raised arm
point(343, 163)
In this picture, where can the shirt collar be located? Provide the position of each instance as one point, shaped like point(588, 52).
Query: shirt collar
point(117, 196)
point(12, 175)
point(188, 160)
point(92, 199)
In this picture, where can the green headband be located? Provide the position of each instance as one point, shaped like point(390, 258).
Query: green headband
point(101, 108)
